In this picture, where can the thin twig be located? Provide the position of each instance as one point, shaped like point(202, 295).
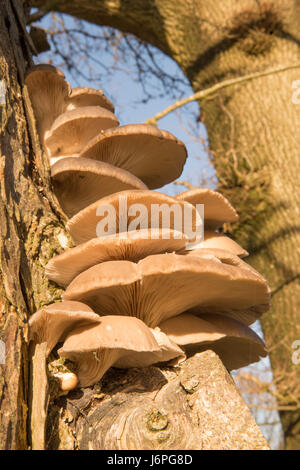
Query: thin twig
point(184, 183)
point(203, 94)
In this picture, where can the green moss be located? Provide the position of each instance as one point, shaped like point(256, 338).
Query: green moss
point(247, 188)
point(256, 43)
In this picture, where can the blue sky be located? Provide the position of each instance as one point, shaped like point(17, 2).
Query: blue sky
point(127, 96)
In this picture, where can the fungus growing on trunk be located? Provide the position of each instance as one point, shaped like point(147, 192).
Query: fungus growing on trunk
point(51, 324)
point(157, 290)
point(236, 344)
point(218, 240)
point(217, 209)
point(73, 129)
point(149, 206)
point(153, 155)
point(132, 246)
point(49, 93)
point(120, 341)
point(78, 182)
point(162, 286)
point(80, 97)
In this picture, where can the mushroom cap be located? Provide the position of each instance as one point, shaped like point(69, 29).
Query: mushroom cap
point(73, 129)
point(48, 92)
point(79, 182)
point(153, 155)
point(168, 351)
point(226, 257)
point(83, 225)
point(133, 246)
point(88, 97)
point(236, 344)
point(213, 239)
point(51, 324)
point(95, 349)
point(217, 209)
point(162, 286)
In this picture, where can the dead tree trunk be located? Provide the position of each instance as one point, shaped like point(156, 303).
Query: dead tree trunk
point(196, 406)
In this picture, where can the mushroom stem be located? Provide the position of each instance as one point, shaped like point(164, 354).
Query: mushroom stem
point(95, 364)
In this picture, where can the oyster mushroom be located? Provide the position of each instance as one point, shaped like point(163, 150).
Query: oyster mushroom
point(83, 226)
point(218, 240)
point(120, 341)
point(52, 323)
point(80, 97)
point(73, 129)
point(79, 182)
point(153, 155)
point(236, 344)
point(162, 286)
point(217, 209)
point(48, 92)
point(134, 246)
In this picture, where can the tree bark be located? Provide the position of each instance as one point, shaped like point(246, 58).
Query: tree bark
point(196, 406)
point(30, 221)
point(253, 136)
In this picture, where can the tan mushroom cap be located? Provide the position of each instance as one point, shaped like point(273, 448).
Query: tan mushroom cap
point(153, 155)
point(131, 246)
point(88, 97)
point(83, 225)
point(73, 129)
point(79, 182)
point(225, 257)
point(218, 240)
point(48, 92)
point(236, 344)
point(51, 324)
point(95, 349)
point(168, 351)
point(217, 209)
point(162, 286)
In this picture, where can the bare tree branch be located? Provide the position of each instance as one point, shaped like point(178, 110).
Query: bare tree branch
point(204, 94)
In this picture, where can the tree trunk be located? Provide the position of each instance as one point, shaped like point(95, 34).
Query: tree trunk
point(157, 409)
point(29, 224)
point(253, 136)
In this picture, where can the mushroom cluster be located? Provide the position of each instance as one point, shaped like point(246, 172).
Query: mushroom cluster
point(140, 294)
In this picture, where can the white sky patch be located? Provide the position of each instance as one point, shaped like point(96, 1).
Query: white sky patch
point(2, 92)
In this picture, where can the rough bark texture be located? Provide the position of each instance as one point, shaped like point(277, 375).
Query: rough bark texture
point(29, 224)
point(253, 133)
point(196, 407)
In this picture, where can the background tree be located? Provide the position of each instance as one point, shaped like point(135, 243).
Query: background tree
point(252, 133)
